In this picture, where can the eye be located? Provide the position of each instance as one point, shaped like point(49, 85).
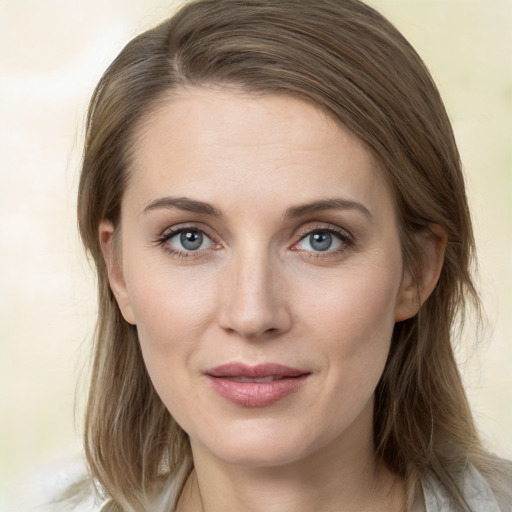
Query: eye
point(186, 240)
point(327, 240)
point(320, 241)
point(190, 240)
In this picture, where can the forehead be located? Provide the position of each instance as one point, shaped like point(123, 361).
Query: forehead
point(227, 145)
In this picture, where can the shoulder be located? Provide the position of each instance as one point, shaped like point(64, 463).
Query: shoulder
point(476, 490)
point(62, 485)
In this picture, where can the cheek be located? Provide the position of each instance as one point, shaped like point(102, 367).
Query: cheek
point(354, 301)
point(169, 303)
point(170, 324)
point(353, 322)
point(172, 311)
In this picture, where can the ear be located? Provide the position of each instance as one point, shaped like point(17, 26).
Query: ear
point(115, 272)
point(431, 243)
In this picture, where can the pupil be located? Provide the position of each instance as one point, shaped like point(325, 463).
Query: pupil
point(191, 240)
point(321, 241)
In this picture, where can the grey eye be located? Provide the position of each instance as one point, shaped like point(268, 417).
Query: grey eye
point(320, 241)
point(190, 240)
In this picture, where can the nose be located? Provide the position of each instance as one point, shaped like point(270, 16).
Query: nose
point(254, 302)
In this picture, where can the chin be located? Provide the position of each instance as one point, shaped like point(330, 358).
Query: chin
point(253, 444)
point(264, 454)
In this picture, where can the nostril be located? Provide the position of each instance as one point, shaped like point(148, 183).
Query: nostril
point(251, 305)
point(252, 332)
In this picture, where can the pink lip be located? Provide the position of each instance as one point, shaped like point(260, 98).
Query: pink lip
point(255, 394)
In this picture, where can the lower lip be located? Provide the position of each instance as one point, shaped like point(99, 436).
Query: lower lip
point(256, 394)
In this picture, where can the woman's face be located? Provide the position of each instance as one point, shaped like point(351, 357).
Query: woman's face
point(260, 261)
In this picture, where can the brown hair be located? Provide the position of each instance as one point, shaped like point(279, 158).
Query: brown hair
point(344, 57)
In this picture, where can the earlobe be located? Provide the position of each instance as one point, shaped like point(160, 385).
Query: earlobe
point(431, 244)
point(114, 269)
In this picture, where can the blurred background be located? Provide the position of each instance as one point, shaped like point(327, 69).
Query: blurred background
point(51, 55)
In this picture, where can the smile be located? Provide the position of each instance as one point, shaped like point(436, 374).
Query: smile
point(255, 386)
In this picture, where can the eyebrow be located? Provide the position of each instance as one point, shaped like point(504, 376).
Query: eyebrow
point(183, 203)
point(192, 205)
point(327, 204)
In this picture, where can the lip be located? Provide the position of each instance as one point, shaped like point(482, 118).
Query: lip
point(250, 393)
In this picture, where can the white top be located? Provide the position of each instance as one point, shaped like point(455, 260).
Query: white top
point(475, 490)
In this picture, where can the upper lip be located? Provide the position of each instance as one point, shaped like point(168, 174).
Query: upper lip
point(258, 371)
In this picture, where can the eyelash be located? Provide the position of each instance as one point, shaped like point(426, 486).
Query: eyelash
point(346, 239)
point(176, 253)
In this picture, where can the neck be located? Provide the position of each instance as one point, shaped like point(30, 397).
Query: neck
point(342, 475)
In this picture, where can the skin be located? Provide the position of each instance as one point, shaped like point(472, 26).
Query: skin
point(258, 290)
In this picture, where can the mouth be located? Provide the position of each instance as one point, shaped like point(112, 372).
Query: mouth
point(256, 386)
point(270, 378)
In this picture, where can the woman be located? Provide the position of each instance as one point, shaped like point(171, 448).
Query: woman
point(273, 198)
